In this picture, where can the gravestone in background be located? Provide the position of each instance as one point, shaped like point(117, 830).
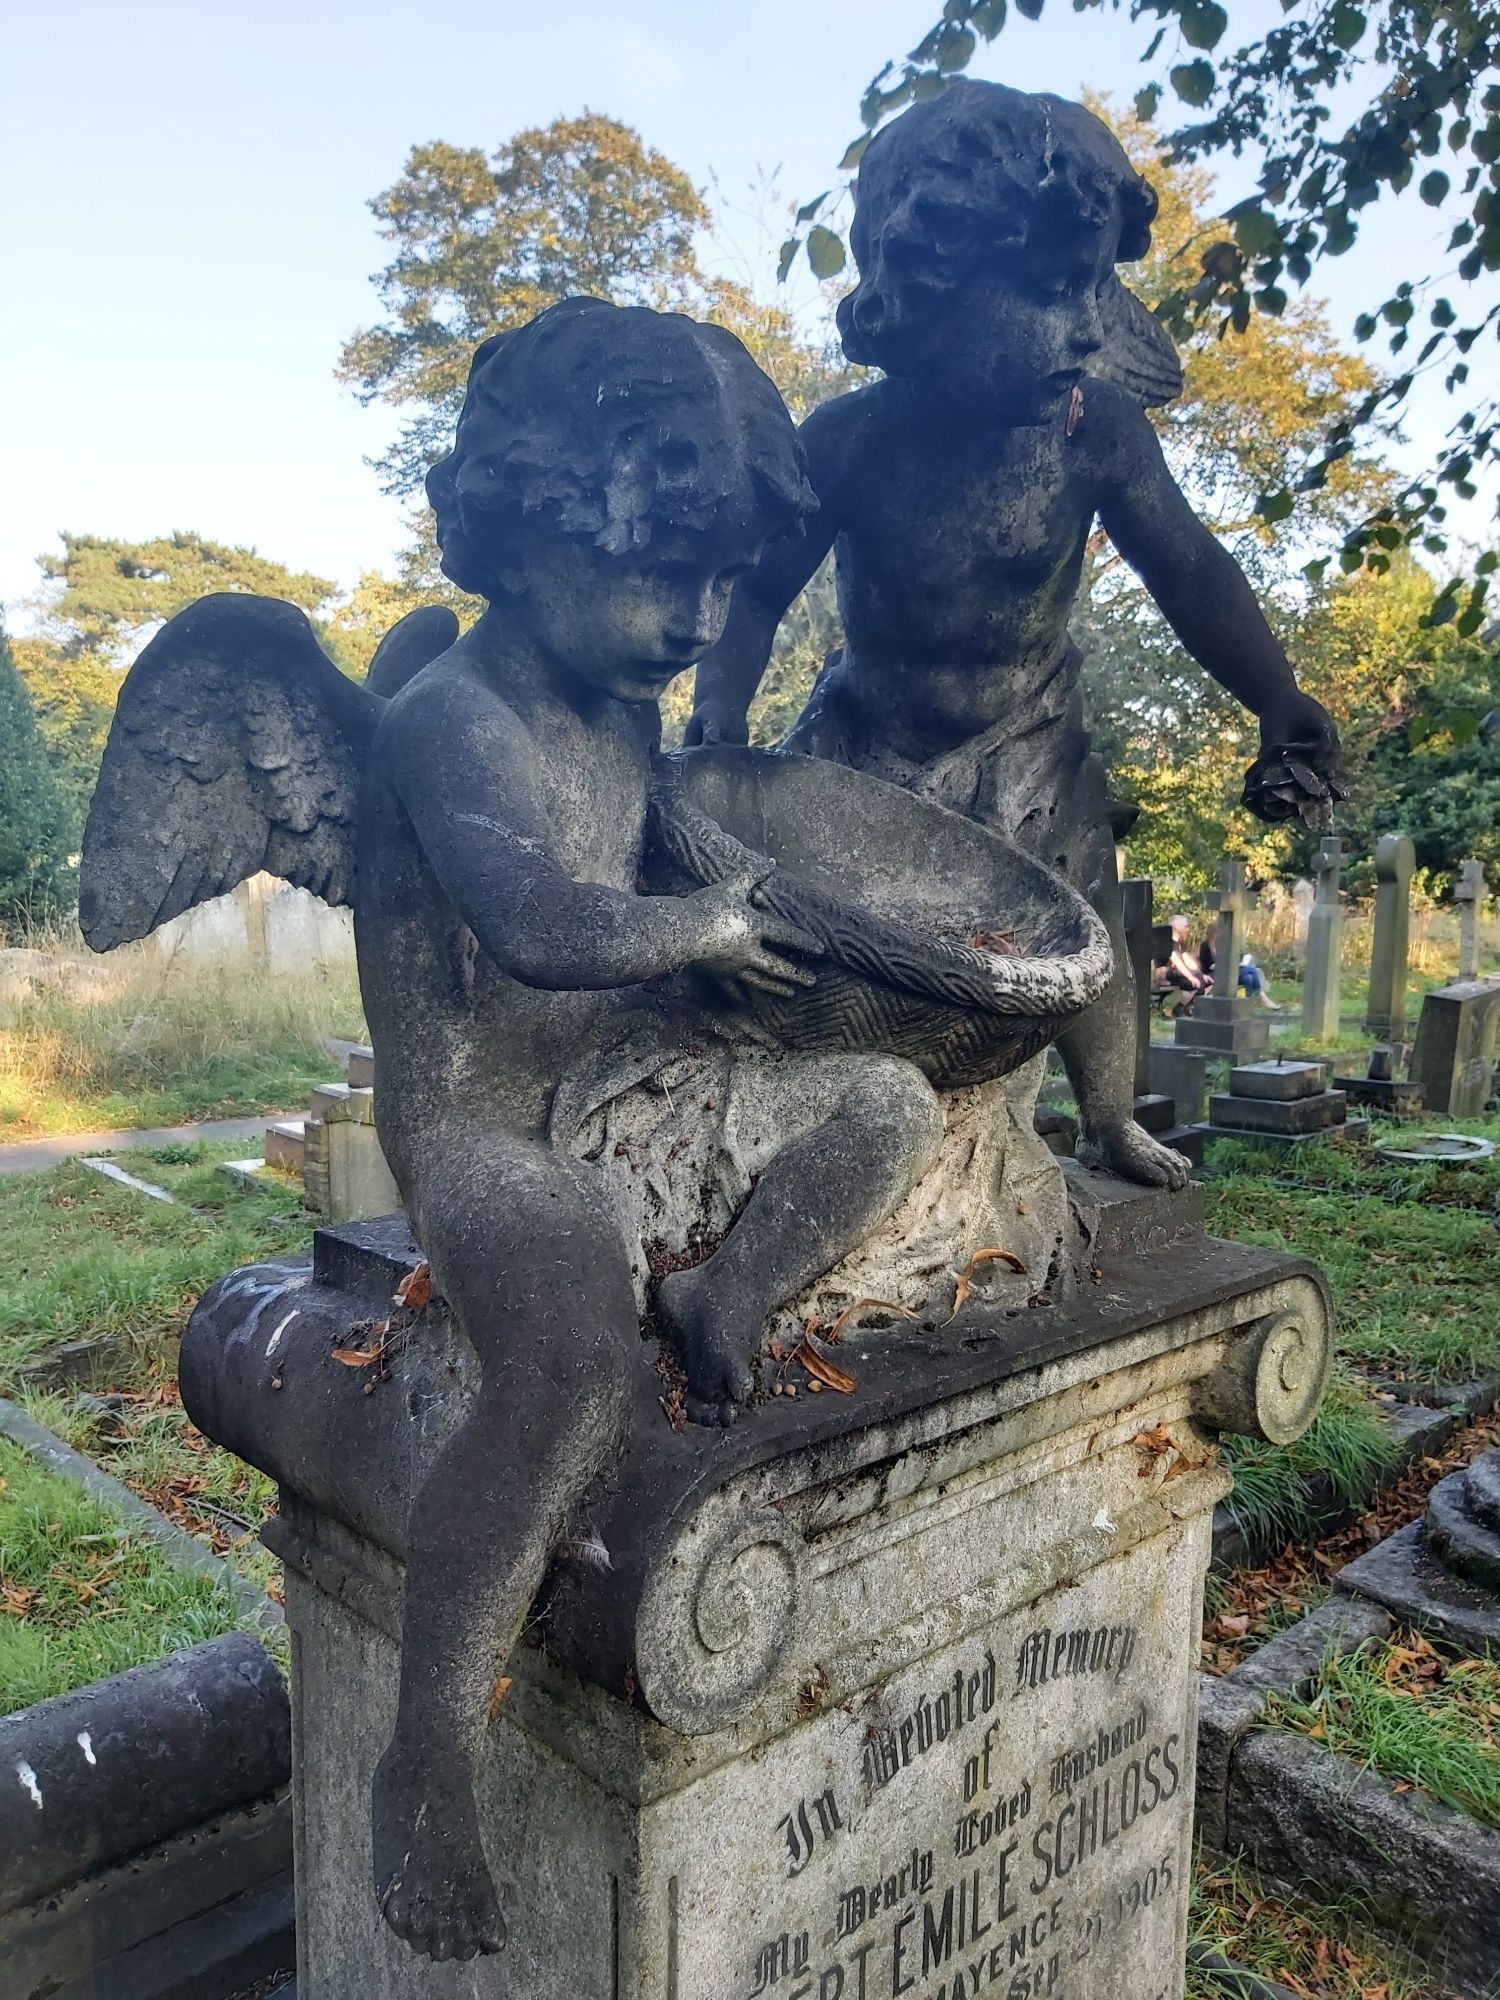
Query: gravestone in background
point(1325, 925)
point(1385, 1010)
point(1221, 1023)
point(1281, 1105)
point(1469, 893)
point(1454, 1059)
point(1148, 942)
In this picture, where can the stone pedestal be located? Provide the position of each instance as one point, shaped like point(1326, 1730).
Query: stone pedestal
point(1280, 1104)
point(1454, 1059)
point(1182, 1075)
point(1380, 1088)
point(873, 1694)
point(1219, 1026)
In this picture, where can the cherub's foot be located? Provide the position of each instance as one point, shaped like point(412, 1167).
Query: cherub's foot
point(1128, 1149)
point(431, 1878)
point(718, 1367)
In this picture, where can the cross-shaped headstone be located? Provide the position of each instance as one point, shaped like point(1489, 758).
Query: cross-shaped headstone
point(1469, 893)
point(1320, 982)
point(1395, 859)
point(1232, 901)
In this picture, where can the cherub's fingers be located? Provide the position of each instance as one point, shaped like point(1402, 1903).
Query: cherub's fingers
point(769, 959)
point(784, 935)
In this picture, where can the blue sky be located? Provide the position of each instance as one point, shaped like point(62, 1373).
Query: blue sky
point(193, 243)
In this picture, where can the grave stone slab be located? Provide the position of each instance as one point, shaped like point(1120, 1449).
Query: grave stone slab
point(1182, 1075)
point(1320, 979)
point(1280, 1081)
point(1454, 1058)
point(1280, 1104)
point(1385, 1011)
point(1469, 893)
point(873, 1689)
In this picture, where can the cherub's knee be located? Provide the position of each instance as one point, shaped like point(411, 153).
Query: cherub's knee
point(900, 1109)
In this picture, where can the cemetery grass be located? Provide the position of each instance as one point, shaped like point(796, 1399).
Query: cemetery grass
point(82, 1595)
point(134, 1040)
point(90, 1261)
point(1413, 1714)
point(1412, 1257)
point(1323, 1951)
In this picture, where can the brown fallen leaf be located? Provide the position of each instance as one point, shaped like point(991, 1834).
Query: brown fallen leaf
point(498, 1693)
point(862, 1306)
point(1075, 411)
point(415, 1289)
point(824, 1370)
point(359, 1357)
point(976, 1263)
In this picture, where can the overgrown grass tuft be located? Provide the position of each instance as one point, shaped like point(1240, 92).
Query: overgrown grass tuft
point(1414, 1716)
point(83, 1596)
point(137, 1039)
point(1347, 1444)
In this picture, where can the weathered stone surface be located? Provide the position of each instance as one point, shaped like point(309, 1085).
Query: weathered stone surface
point(1295, 1657)
point(1280, 1081)
point(817, 1575)
point(1390, 949)
point(1391, 1095)
point(1288, 1117)
point(1467, 1544)
point(115, 1767)
point(196, 1917)
point(1320, 975)
point(1311, 1818)
point(1238, 1032)
point(1404, 1575)
point(1228, 1709)
point(1182, 1075)
point(1453, 1061)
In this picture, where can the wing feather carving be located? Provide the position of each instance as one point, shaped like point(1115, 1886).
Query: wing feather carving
point(236, 746)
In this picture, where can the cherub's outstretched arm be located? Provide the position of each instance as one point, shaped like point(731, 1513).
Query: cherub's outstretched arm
point(1210, 605)
point(731, 671)
point(488, 839)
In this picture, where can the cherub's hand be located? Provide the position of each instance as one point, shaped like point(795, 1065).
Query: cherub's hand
point(1297, 775)
point(708, 725)
point(745, 943)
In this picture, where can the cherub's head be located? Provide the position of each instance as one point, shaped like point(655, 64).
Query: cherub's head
point(615, 470)
point(987, 226)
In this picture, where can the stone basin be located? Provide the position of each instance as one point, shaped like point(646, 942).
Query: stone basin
point(892, 887)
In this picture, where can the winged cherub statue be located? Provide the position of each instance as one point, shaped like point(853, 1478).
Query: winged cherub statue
point(958, 493)
point(485, 812)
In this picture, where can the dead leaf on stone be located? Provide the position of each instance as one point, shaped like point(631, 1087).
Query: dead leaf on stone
point(823, 1370)
point(498, 1693)
point(363, 1357)
point(1075, 411)
point(965, 1281)
point(851, 1313)
point(415, 1289)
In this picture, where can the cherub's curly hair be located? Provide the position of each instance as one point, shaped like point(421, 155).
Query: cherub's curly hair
point(613, 422)
point(1004, 167)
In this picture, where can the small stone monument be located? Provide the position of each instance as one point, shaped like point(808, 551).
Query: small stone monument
point(1381, 1088)
point(1453, 1062)
point(1442, 1573)
point(1147, 942)
point(1325, 924)
point(1469, 893)
point(1221, 1023)
point(1281, 1104)
point(1385, 1012)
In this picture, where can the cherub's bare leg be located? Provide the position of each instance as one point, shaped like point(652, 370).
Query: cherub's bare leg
point(845, 1139)
point(1098, 1051)
point(525, 1252)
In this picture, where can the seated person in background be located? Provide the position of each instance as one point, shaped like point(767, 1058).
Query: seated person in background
point(1251, 978)
point(1182, 972)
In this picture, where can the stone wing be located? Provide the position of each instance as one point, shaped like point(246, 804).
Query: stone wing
point(236, 746)
point(1138, 354)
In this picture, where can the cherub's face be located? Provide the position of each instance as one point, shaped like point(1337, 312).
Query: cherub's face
point(942, 304)
point(628, 625)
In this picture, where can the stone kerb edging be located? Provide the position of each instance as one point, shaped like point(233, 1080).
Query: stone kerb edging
point(145, 1822)
point(121, 1764)
point(177, 1546)
point(1300, 1813)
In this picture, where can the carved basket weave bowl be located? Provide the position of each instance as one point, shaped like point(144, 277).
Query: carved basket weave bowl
point(892, 887)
